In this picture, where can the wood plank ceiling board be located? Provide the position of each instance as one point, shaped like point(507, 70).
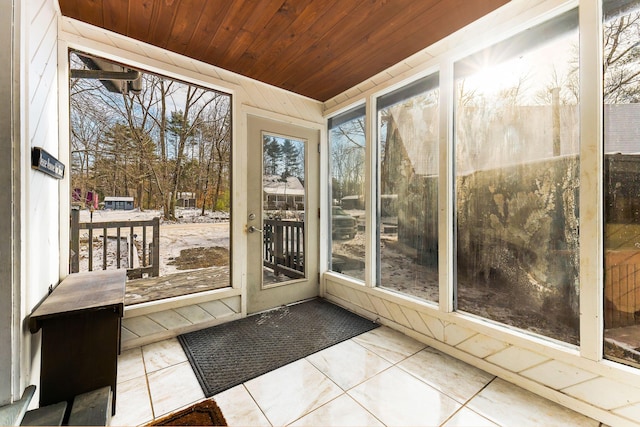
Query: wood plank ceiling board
point(183, 30)
point(301, 43)
point(281, 37)
point(317, 48)
point(437, 24)
point(208, 23)
point(115, 15)
point(143, 12)
point(352, 56)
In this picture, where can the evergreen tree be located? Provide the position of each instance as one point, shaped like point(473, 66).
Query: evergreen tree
point(290, 154)
point(272, 155)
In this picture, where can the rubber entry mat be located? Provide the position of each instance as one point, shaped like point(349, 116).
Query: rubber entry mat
point(226, 355)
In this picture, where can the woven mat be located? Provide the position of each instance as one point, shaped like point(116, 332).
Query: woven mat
point(227, 355)
point(205, 413)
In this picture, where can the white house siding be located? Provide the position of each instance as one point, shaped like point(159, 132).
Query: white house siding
point(576, 378)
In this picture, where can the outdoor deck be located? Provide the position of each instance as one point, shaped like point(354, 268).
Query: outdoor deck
point(185, 283)
point(176, 284)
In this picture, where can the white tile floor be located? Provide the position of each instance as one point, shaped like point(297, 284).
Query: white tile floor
point(379, 378)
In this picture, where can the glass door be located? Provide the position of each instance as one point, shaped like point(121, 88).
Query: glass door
point(282, 234)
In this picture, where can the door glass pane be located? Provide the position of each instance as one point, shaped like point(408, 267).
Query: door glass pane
point(283, 201)
point(347, 194)
point(517, 179)
point(408, 191)
point(622, 181)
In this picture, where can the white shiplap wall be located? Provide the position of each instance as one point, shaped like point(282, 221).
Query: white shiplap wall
point(39, 192)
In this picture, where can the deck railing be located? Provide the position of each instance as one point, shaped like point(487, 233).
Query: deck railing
point(284, 247)
point(142, 255)
point(622, 288)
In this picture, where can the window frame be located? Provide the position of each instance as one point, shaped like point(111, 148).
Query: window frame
point(591, 166)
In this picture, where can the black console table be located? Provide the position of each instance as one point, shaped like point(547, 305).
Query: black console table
point(80, 322)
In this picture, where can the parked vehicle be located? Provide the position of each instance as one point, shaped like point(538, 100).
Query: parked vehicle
point(343, 225)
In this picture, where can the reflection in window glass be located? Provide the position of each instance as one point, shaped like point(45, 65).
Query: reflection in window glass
point(622, 181)
point(516, 163)
point(408, 191)
point(347, 193)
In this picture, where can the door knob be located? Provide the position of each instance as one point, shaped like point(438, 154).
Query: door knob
point(253, 229)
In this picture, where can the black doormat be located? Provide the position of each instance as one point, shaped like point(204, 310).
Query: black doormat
point(226, 355)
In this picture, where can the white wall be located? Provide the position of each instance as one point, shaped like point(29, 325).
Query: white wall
point(29, 258)
point(576, 377)
point(39, 192)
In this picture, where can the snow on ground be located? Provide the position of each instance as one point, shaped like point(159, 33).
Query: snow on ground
point(191, 231)
point(183, 214)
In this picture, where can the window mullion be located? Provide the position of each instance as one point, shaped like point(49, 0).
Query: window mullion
point(446, 211)
point(591, 176)
point(371, 197)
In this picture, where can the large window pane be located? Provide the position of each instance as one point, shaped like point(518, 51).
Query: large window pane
point(622, 181)
point(142, 150)
point(347, 193)
point(408, 189)
point(516, 163)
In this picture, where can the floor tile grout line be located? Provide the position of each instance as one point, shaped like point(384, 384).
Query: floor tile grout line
point(328, 378)
point(254, 401)
point(368, 412)
point(464, 405)
point(476, 395)
point(146, 377)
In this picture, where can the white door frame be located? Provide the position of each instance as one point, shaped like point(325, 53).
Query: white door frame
point(259, 297)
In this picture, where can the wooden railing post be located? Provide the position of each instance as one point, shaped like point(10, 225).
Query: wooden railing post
point(74, 255)
point(156, 247)
point(284, 247)
point(134, 269)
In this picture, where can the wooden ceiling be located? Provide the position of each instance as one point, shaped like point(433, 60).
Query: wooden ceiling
point(317, 48)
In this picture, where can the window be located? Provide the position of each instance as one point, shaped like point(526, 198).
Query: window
point(621, 180)
point(408, 189)
point(517, 174)
point(156, 147)
point(347, 193)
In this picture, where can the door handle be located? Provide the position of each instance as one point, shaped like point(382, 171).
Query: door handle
point(253, 229)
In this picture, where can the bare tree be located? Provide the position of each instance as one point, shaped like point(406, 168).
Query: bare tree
point(154, 158)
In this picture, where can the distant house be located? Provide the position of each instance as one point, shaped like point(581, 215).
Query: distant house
point(186, 199)
point(283, 194)
point(118, 203)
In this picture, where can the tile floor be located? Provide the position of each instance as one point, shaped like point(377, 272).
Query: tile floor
point(378, 378)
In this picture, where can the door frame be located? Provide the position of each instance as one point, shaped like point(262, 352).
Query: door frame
point(258, 296)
